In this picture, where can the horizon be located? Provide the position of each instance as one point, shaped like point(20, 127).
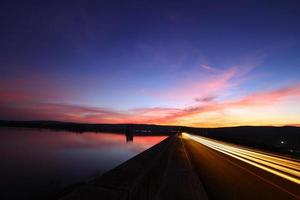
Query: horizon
point(197, 64)
point(67, 122)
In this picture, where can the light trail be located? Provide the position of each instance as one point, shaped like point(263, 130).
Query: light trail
point(280, 166)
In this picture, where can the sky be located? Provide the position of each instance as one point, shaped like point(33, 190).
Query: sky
point(194, 63)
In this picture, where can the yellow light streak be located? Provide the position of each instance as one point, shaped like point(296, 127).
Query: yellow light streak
point(278, 165)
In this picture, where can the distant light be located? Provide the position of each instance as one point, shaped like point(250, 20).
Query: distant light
point(282, 142)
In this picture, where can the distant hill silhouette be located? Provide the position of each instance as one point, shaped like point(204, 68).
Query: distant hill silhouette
point(85, 127)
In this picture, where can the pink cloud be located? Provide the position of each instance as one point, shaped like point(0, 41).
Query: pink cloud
point(270, 97)
point(33, 87)
point(203, 87)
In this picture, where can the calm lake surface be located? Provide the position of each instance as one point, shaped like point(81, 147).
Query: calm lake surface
point(35, 162)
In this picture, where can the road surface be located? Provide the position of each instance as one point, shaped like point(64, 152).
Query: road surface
point(232, 172)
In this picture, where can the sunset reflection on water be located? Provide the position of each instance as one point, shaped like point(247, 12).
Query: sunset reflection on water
point(35, 161)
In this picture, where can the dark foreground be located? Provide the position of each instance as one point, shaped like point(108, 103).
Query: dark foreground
point(180, 168)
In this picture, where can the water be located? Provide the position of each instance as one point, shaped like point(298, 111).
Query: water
point(36, 162)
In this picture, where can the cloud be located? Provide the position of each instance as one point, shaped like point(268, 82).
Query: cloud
point(258, 99)
point(293, 125)
point(206, 99)
point(33, 88)
point(270, 97)
point(160, 115)
point(209, 68)
point(202, 97)
point(200, 87)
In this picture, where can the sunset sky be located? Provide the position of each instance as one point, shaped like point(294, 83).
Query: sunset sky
point(195, 63)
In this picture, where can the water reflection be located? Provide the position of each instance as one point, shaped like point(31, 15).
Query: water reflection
point(36, 161)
